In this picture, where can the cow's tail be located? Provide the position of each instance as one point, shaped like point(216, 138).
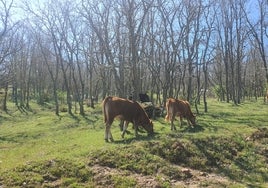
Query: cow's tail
point(167, 118)
point(104, 106)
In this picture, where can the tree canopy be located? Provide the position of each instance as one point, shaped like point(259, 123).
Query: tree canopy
point(69, 51)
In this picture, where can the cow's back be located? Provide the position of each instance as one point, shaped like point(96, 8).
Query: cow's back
point(178, 107)
point(126, 110)
point(122, 108)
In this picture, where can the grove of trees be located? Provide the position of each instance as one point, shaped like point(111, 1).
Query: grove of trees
point(67, 51)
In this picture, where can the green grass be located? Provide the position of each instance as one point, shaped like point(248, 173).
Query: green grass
point(38, 148)
point(43, 135)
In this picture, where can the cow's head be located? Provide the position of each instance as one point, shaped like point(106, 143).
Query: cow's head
point(192, 120)
point(149, 127)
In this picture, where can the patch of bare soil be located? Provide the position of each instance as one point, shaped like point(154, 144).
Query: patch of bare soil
point(103, 178)
point(199, 179)
point(261, 133)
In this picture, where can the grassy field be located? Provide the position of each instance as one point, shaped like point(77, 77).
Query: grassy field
point(228, 148)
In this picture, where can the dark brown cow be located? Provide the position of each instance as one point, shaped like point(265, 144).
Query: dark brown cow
point(126, 110)
point(176, 107)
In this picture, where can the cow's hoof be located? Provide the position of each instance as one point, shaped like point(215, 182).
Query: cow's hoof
point(106, 140)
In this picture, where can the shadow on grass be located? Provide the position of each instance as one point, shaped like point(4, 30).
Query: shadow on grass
point(89, 120)
point(235, 159)
point(21, 137)
point(244, 171)
point(21, 108)
point(141, 137)
point(197, 128)
point(212, 128)
point(2, 119)
point(221, 115)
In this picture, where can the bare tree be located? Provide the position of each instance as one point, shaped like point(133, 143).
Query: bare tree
point(135, 14)
point(232, 34)
point(80, 49)
point(8, 46)
point(73, 40)
point(168, 46)
point(254, 74)
point(259, 31)
point(52, 67)
point(23, 67)
point(208, 49)
point(98, 16)
point(48, 22)
point(191, 18)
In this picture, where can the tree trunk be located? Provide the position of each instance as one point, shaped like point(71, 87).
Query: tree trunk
point(4, 107)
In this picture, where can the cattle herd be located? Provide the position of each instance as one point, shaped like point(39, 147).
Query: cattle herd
point(129, 111)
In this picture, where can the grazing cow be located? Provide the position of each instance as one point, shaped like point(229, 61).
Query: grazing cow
point(126, 110)
point(176, 107)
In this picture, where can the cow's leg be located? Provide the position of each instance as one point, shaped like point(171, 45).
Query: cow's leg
point(124, 128)
point(172, 123)
point(110, 136)
point(181, 121)
point(189, 123)
point(121, 125)
point(107, 130)
point(108, 133)
point(136, 129)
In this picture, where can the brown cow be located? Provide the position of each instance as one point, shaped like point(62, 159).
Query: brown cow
point(126, 110)
point(176, 107)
